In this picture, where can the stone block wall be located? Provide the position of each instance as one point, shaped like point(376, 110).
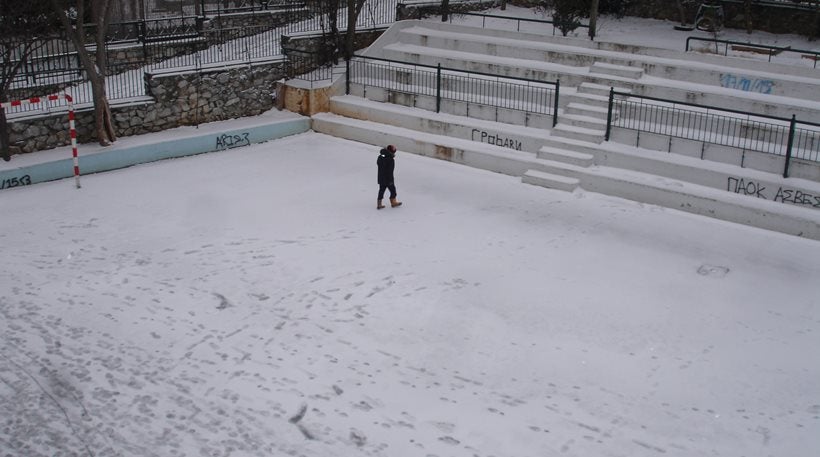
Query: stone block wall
point(271, 18)
point(179, 99)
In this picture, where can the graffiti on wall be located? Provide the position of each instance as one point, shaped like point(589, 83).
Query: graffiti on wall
point(497, 140)
point(226, 141)
point(8, 183)
point(781, 195)
point(732, 81)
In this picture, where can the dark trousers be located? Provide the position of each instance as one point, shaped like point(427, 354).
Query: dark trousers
point(392, 188)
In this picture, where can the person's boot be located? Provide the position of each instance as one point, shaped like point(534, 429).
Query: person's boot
point(379, 205)
point(394, 203)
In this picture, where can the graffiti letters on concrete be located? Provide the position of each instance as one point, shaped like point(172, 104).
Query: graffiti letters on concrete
point(497, 140)
point(24, 180)
point(764, 86)
point(225, 141)
point(782, 194)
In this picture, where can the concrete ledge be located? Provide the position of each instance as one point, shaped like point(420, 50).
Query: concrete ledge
point(496, 133)
point(473, 153)
point(51, 168)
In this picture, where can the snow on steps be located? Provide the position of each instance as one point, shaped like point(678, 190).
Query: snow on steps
point(616, 70)
point(618, 182)
point(579, 133)
point(499, 134)
point(599, 89)
point(553, 181)
point(479, 155)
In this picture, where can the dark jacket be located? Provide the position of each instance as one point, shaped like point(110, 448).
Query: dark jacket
point(386, 164)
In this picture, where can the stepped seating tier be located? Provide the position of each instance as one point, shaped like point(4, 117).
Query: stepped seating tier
point(729, 185)
point(698, 79)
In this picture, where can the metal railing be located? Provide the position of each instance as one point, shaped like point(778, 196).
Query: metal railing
point(785, 137)
point(310, 66)
point(518, 20)
point(770, 50)
point(179, 43)
point(505, 92)
point(219, 7)
point(121, 83)
point(219, 46)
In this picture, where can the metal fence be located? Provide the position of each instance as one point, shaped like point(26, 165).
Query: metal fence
point(535, 25)
point(786, 137)
point(769, 51)
point(518, 94)
point(178, 43)
point(220, 46)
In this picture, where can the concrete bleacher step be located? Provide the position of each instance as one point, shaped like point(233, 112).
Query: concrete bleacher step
point(571, 144)
point(616, 70)
point(599, 89)
point(583, 109)
point(479, 155)
point(489, 63)
point(564, 155)
point(578, 133)
point(588, 99)
point(588, 122)
point(686, 196)
point(499, 134)
point(549, 180)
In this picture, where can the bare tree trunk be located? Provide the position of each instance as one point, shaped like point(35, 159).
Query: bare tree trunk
point(354, 8)
point(681, 12)
point(445, 10)
point(593, 19)
point(747, 12)
point(96, 71)
point(503, 5)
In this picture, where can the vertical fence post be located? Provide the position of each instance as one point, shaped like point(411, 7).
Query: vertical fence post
point(555, 104)
point(609, 113)
point(347, 77)
point(789, 146)
point(438, 87)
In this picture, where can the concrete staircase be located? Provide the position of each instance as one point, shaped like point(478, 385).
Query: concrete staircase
point(573, 153)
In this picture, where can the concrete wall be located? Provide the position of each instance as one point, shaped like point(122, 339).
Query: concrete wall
point(119, 156)
point(769, 163)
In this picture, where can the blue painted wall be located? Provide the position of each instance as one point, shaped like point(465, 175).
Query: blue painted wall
point(120, 158)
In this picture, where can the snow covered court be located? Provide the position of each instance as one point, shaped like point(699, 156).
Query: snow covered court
point(253, 302)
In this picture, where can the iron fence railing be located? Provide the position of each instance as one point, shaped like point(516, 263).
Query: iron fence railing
point(770, 51)
point(712, 125)
point(506, 92)
point(219, 46)
point(180, 42)
point(310, 66)
point(121, 83)
point(517, 20)
point(219, 7)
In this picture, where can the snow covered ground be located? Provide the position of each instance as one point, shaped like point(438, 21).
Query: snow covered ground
point(253, 302)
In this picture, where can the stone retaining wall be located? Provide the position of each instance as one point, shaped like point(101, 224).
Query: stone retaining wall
point(179, 99)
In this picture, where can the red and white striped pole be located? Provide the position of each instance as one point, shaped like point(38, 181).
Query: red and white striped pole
point(72, 131)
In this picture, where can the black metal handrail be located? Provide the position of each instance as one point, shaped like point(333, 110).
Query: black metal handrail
point(772, 50)
point(507, 92)
point(308, 65)
point(519, 20)
point(713, 125)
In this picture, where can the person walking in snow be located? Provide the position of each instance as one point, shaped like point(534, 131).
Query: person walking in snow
point(387, 164)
